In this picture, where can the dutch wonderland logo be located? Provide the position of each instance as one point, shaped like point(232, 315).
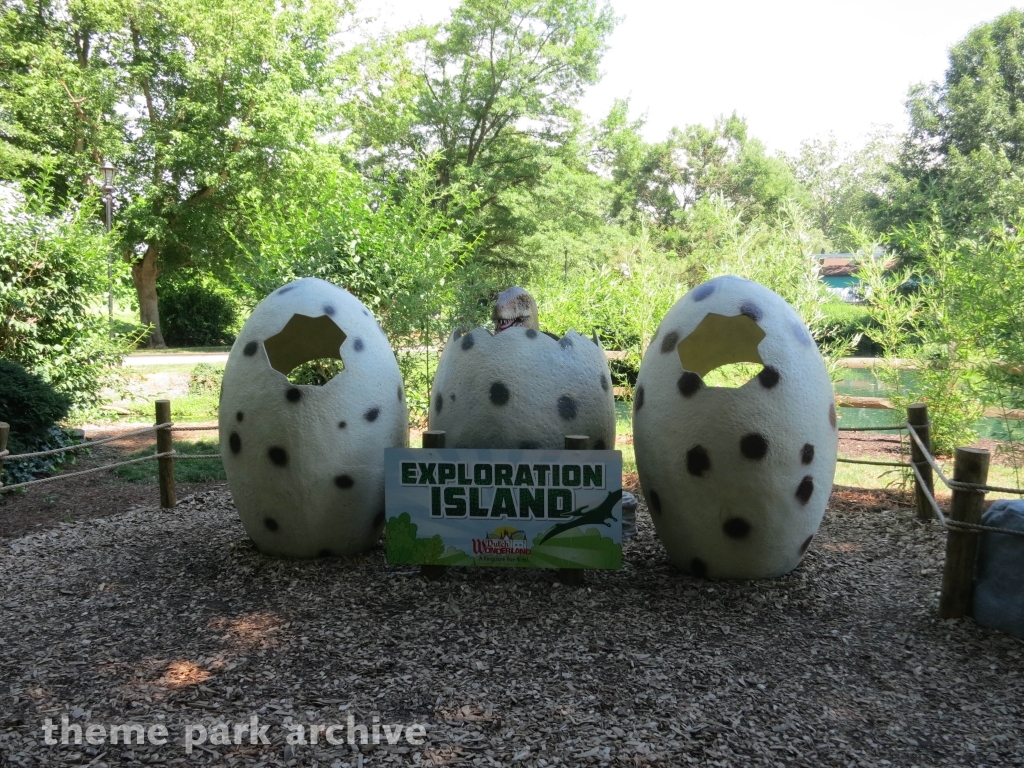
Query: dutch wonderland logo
point(505, 540)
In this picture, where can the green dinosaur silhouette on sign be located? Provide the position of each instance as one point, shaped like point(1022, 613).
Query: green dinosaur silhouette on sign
point(599, 515)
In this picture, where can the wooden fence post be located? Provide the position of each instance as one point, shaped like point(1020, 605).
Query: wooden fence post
point(5, 430)
point(917, 415)
point(165, 444)
point(433, 439)
point(970, 466)
point(573, 577)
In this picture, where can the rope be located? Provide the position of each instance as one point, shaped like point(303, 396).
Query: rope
point(871, 429)
point(928, 494)
point(877, 463)
point(88, 444)
point(930, 459)
point(957, 524)
point(959, 484)
point(214, 428)
point(3, 453)
point(980, 487)
point(65, 475)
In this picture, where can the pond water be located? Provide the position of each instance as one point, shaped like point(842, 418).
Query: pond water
point(861, 382)
point(841, 281)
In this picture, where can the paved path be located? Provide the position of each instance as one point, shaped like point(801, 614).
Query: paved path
point(176, 358)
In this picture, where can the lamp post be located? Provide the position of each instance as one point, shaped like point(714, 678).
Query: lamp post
point(108, 202)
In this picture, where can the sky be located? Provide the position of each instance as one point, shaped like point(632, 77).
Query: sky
point(795, 69)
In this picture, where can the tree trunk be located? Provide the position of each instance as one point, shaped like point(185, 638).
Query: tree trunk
point(144, 274)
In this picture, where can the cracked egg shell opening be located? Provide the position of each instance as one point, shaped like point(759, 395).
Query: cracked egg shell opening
point(305, 464)
point(736, 479)
point(522, 388)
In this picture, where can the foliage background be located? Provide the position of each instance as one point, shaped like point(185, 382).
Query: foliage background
point(425, 170)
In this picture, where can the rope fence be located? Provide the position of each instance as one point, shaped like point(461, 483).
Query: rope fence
point(873, 429)
point(903, 464)
point(7, 457)
point(65, 475)
point(960, 485)
point(165, 453)
point(963, 523)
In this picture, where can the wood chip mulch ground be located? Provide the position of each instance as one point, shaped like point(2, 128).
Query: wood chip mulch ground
point(172, 619)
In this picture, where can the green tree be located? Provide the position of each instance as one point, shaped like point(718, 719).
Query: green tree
point(665, 183)
point(57, 96)
point(846, 186)
point(963, 159)
point(492, 103)
point(723, 161)
point(195, 101)
point(645, 176)
point(51, 265)
point(388, 245)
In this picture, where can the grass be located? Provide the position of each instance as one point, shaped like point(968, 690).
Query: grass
point(850, 317)
point(191, 408)
point(185, 470)
point(195, 408)
point(869, 476)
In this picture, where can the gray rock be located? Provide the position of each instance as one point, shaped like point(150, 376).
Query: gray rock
point(999, 583)
point(628, 515)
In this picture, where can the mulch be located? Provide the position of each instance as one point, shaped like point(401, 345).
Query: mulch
point(173, 619)
point(115, 611)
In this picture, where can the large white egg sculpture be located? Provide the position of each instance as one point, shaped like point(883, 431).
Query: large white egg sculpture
point(305, 463)
point(736, 479)
point(522, 388)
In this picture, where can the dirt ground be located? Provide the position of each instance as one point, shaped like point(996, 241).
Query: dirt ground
point(101, 494)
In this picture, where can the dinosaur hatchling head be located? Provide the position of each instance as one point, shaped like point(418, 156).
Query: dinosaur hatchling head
point(514, 307)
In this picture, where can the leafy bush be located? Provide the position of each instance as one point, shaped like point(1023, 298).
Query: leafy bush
point(32, 407)
point(919, 326)
point(205, 378)
point(316, 372)
point(418, 370)
point(23, 470)
point(850, 323)
point(196, 314)
point(28, 403)
point(622, 300)
point(52, 269)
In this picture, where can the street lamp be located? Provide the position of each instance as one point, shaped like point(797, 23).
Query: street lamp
point(108, 202)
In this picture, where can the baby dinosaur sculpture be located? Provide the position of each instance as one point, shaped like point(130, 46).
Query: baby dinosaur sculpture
point(514, 307)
